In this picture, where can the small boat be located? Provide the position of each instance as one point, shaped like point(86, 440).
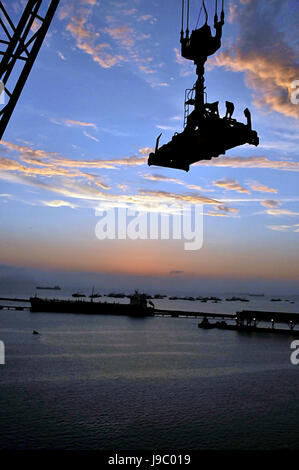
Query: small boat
point(78, 294)
point(205, 324)
point(48, 287)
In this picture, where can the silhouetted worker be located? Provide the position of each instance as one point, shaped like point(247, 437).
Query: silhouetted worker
point(247, 114)
point(212, 109)
point(230, 107)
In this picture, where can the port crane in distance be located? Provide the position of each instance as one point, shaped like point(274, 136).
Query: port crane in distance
point(206, 134)
point(20, 45)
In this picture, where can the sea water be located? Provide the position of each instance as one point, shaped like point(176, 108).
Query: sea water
point(111, 382)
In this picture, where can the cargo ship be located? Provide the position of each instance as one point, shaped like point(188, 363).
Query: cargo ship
point(139, 306)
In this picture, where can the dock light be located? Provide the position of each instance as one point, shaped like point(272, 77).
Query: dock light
point(254, 319)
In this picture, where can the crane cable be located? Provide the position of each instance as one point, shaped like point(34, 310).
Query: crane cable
point(203, 6)
point(182, 30)
point(183, 8)
point(198, 17)
point(206, 13)
point(187, 30)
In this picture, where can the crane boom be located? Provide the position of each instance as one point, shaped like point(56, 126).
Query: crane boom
point(22, 44)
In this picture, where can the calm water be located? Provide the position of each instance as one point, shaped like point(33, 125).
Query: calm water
point(103, 382)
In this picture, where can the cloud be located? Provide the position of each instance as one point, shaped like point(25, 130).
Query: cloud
point(62, 57)
point(231, 185)
point(73, 123)
point(251, 162)
point(54, 160)
point(187, 198)
point(27, 151)
point(187, 67)
point(176, 272)
point(112, 164)
point(167, 179)
point(166, 128)
point(58, 203)
point(91, 136)
point(265, 54)
point(147, 18)
point(123, 34)
point(284, 228)
point(156, 177)
point(146, 150)
point(281, 212)
point(223, 211)
point(161, 84)
point(262, 188)
point(130, 11)
point(121, 41)
point(270, 203)
point(44, 164)
point(78, 14)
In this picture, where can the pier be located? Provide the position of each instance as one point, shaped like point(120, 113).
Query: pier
point(13, 307)
point(184, 314)
point(248, 320)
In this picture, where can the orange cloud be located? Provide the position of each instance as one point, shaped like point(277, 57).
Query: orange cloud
point(79, 26)
point(262, 188)
point(279, 212)
point(71, 122)
point(251, 162)
point(223, 211)
point(265, 53)
point(58, 203)
point(270, 77)
point(231, 185)
point(122, 33)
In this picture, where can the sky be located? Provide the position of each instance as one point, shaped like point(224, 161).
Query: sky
point(108, 80)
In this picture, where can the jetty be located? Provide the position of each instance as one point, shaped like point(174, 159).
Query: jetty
point(249, 320)
point(13, 307)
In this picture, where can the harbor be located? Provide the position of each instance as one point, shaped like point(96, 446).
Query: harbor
point(249, 321)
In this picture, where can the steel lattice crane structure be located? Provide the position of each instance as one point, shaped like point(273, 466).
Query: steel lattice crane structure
point(21, 44)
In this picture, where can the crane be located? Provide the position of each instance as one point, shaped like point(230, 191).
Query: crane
point(206, 134)
point(21, 45)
